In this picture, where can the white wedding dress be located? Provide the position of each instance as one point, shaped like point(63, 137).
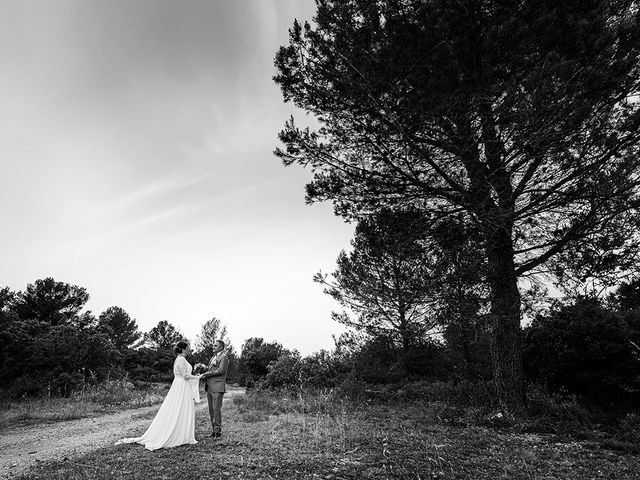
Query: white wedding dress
point(175, 422)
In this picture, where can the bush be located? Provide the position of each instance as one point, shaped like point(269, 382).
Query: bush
point(551, 411)
point(323, 370)
point(149, 364)
point(585, 349)
point(468, 348)
point(255, 358)
point(27, 386)
point(284, 373)
point(354, 388)
point(629, 430)
point(64, 383)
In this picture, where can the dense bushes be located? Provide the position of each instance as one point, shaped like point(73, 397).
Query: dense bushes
point(255, 357)
point(317, 371)
point(47, 345)
point(39, 357)
point(356, 364)
point(578, 356)
point(149, 364)
point(588, 350)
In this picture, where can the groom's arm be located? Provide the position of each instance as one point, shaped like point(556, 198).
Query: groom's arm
point(220, 370)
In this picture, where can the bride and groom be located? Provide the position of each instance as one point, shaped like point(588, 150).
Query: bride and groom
point(174, 424)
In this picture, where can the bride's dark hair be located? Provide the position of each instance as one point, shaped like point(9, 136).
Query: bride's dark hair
point(180, 346)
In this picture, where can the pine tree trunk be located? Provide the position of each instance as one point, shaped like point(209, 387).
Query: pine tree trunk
point(406, 344)
point(466, 351)
point(506, 350)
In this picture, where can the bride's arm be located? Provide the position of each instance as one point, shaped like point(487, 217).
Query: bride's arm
point(183, 369)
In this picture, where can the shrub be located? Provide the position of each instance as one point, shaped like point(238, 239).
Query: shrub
point(27, 386)
point(323, 370)
point(255, 358)
point(551, 411)
point(586, 350)
point(65, 383)
point(284, 373)
point(629, 430)
point(149, 364)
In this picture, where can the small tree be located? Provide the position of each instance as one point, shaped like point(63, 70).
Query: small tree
point(116, 323)
point(284, 372)
point(165, 335)
point(211, 331)
point(389, 279)
point(255, 357)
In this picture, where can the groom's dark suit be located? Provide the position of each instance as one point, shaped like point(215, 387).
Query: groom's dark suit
point(215, 386)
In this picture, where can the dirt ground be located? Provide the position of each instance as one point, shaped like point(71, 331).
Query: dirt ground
point(23, 446)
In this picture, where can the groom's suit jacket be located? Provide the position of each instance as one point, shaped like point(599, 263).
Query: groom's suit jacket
point(218, 369)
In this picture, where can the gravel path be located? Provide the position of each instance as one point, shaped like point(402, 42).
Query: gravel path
point(23, 446)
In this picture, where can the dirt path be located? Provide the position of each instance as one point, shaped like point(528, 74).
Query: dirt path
point(23, 446)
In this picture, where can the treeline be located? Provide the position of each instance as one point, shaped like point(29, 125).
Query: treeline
point(583, 347)
point(49, 346)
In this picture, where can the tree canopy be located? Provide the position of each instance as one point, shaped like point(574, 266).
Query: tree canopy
point(50, 301)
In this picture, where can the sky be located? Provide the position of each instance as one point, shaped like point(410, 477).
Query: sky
point(136, 141)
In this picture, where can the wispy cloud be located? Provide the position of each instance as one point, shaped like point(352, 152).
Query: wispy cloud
point(157, 188)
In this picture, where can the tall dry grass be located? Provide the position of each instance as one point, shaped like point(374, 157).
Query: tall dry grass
point(89, 400)
point(320, 422)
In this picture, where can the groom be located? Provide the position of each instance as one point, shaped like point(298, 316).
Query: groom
point(215, 380)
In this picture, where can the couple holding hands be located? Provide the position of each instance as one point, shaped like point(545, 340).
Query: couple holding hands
point(175, 422)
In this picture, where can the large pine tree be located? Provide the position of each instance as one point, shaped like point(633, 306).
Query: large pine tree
point(522, 115)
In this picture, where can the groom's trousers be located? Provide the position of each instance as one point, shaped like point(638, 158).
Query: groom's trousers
point(214, 399)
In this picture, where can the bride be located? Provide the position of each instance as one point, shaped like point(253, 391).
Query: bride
point(174, 424)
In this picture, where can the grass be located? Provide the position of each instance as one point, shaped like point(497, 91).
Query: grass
point(274, 436)
point(109, 396)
